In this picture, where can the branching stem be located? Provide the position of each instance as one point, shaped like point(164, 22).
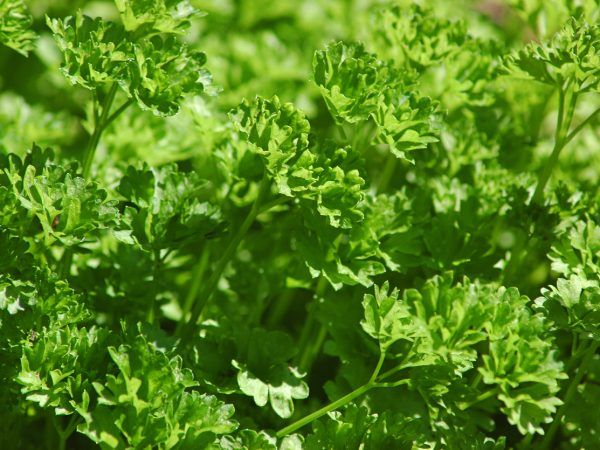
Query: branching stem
point(566, 106)
point(309, 347)
point(101, 121)
point(197, 277)
point(338, 403)
point(571, 390)
point(229, 252)
point(99, 127)
point(156, 263)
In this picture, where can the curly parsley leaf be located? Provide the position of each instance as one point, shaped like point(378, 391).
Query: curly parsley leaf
point(266, 375)
point(570, 56)
point(166, 208)
point(154, 70)
point(165, 16)
point(15, 26)
point(326, 176)
point(357, 87)
point(66, 206)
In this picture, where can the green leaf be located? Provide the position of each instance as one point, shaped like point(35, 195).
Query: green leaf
point(147, 402)
point(351, 81)
point(357, 87)
point(15, 26)
point(574, 305)
point(323, 174)
point(66, 206)
point(388, 319)
point(164, 16)
point(167, 208)
point(266, 375)
point(156, 71)
point(357, 428)
point(278, 133)
point(576, 253)
point(571, 55)
point(445, 326)
point(247, 440)
point(414, 36)
point(96, 52)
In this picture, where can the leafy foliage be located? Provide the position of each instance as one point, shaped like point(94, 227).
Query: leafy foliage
point(377, 228)
point(15, 26)
point(570, 55)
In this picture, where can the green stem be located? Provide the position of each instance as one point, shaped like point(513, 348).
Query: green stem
point(562, 129)
point(392, 384)
point(326, 409)
point(279, 308)
point(339, 402)
point(273, 203)
point(388, 172)
point(64, 266)
point(567, 101)
point(63, 435)
point(117, 113)
point(211, 285)
point(481, 397)
point(581, 126)
point(306, 344)
point(400, 366)
point(197, 277)
point(99, 126)
point(526, 442)
point(377, 367)
point(151, 315)
point(477, 380)
point(516, 256)
point(576, 356)
point(572, 389)
point(309, 356)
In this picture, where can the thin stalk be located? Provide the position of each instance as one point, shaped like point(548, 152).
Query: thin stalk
point(576, 356)
point(388, 172)
point(63, 435)
point(64, 266)
point(117, 113)
point(306, 344)
point(574, 344)
point(516, 257)
point(197, 277)
point(581, 126)
point(273, 203)
point(571, 390)
point(326, 409)
point(309, 356)
point(100, 123)
point(564, 123)
point(400, 366)
point(392, 371)
point(377, 367)
point(392, 384)
point(567, 101)
point(477, 380)
point(99, 126)
point(336, 404)
point(525, 442)
point(280, 308)
point(151, 315)
point(481, 397)
point(211, 285)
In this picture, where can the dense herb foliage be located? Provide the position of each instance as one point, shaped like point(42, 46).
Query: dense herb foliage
point(323, 224)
